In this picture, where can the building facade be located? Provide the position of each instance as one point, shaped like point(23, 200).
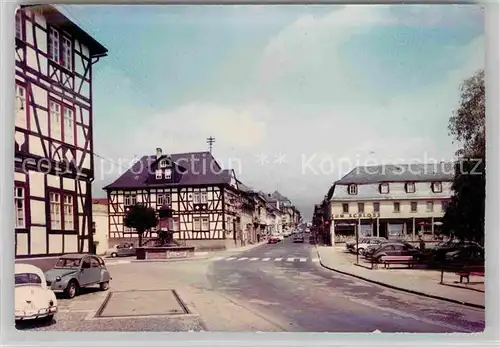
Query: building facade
point(210, 207)
point(100, 225)
point(392, 201)
point(53, 135)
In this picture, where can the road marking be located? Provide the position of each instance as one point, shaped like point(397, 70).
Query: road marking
point(242, 258)
point(122, 262)
point(291, 259)
point(231, 259)
point(266, 259)
point(254, 258)
point(303, 259)
point(315, 260)
point(217, 258)
point(278, 259)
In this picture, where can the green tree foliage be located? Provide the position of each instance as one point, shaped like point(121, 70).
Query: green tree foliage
point(464, 217)
point(141, 218)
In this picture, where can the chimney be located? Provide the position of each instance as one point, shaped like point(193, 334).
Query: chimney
point(158, 152)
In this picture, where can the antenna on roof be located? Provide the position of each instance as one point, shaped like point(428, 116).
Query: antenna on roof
point(210, 141)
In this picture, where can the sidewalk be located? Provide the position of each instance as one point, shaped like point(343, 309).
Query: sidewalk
point(418, 281)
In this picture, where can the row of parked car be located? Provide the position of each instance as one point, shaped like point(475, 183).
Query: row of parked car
point(375, 248)
point(35, 290)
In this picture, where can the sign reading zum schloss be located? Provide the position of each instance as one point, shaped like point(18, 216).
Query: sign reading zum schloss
point(356, 216)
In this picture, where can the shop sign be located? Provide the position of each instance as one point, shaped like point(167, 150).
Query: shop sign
point(357, 216)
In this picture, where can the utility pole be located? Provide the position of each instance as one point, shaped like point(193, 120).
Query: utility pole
point(210, 141)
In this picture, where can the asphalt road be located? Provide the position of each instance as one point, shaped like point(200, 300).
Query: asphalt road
point(298, 291)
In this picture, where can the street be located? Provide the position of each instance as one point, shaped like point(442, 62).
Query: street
point(310, 298)
point(278, 287)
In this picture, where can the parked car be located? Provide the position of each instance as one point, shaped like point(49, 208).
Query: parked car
point(368, 252)
point(272, 240)
point(33, 300)
point(438, 253)
point(467, 254)
point(395, 249)
point(298, 238)
point(363, 243)
point(124, 249)
point(75, 271)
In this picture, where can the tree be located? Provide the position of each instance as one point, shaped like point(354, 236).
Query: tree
point(140, 218)
point(464, 217)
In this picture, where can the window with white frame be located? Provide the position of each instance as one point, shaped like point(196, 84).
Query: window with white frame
point(128, 229)
point(163, 163)
point(159, 199)
point(430, 206)
point(19, 207)
point(130, 199)
point(67, 53)
point(19, 25)
point(21, 109)
point(166, 199)
point(20, 97)
point(397, 207)
point(196, 198)
point(158, 174)
point(196, 224)
point(410, 187)
point(54, 51)
point(413, 207)
point(437, 187)
point(55, 211)
point(345, 208)
point(55, 120)
point(69, 126)
point(203, 197)
point(384, 188)
point(352, 189)
point(205, 225)
point(69, 215)
point(168, 173)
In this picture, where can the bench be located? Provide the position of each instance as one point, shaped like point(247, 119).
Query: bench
point(388, 260)
point(467, 271)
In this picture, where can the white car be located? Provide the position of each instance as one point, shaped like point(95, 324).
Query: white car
point(33, 300)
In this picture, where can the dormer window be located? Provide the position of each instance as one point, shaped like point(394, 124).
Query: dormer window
point(168, 173)
point(384, 188)
point(410, 187)
point(163, 163)
point(158, 174)
point(352, 189)
point(437, 187)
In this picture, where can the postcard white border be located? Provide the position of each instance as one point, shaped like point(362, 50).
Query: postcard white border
point(12, 337)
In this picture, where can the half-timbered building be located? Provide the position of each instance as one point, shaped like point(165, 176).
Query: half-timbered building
point(54, 165)
point(204, 198)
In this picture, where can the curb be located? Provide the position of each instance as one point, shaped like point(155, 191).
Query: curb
point(171, 260)
point(414, 292)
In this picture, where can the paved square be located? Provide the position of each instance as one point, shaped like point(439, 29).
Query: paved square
point(142, 303)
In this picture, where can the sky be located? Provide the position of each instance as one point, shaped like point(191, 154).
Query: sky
point(296, 96)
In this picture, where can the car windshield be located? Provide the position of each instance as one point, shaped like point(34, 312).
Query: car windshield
point(27, 278)
point(68, 263)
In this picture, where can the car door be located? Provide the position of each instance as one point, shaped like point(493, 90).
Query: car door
point(95, 270)
point(85, 277)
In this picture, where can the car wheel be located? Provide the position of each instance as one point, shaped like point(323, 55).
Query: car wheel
point(360, 251)
point(72, 289)
point(50, 318)
point(104, 286)
point(379, 258)
point(114, 254)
